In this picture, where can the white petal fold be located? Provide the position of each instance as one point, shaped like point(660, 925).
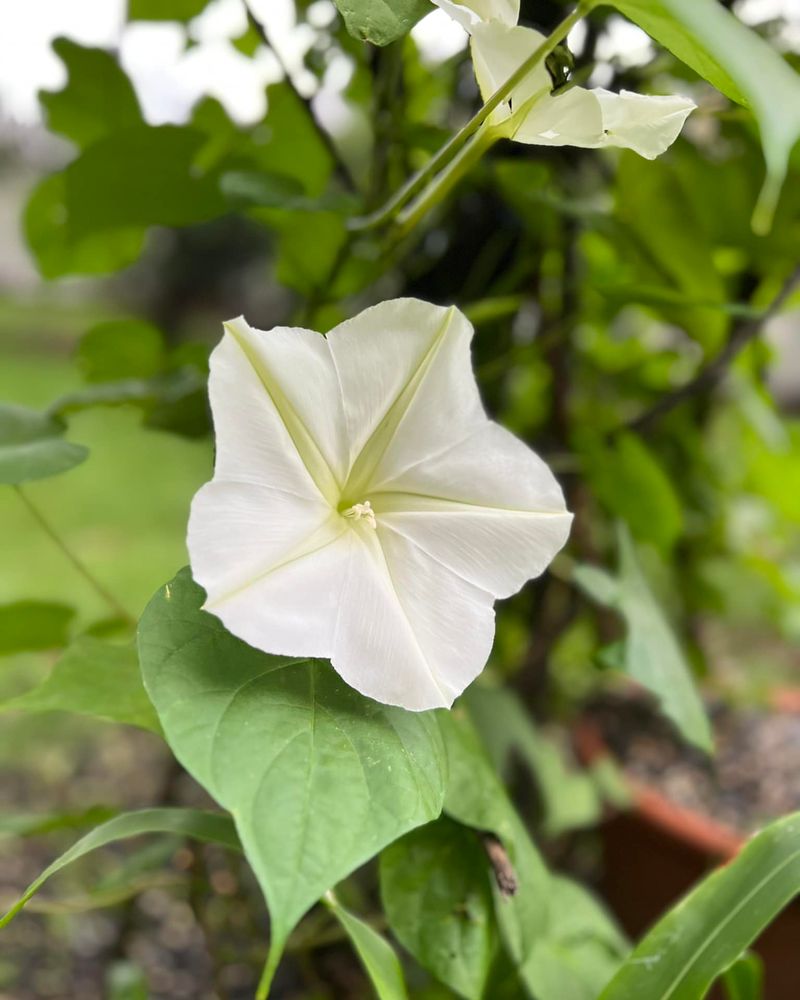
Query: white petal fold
point(271, 566)
point(489, 509)
point(647, 125)
point(576, 116)
point(291, 372)
point(411, 632)
point(394, 399)
point(497, 52)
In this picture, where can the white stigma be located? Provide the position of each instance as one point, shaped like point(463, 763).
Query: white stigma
point(362, 510)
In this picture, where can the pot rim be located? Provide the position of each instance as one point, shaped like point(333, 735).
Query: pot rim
point(688, 825)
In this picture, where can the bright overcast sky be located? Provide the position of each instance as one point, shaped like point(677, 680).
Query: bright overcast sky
point(169, 78)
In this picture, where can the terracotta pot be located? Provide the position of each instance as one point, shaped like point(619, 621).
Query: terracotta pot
point(657, 851)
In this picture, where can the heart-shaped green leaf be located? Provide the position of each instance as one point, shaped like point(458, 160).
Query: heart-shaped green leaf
point(317, 777)
point(32, 446)
point(93, 678)
point(438, 900)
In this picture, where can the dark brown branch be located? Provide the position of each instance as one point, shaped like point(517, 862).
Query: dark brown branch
point(707, 378)
point(341, 168)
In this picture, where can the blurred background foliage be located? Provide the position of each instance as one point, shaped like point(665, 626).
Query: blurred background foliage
point(599, 284)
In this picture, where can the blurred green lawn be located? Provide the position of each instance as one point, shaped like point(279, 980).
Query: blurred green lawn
point(123, 511)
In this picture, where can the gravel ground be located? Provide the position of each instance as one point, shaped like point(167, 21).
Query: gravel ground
point(753, 777)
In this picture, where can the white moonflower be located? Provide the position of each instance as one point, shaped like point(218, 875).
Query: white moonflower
point(575, 116)
point(363, 507)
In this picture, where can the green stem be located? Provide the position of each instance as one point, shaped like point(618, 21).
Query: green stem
point(456, 142)
point(77, 563)
point(445, 181)
point(276, 947)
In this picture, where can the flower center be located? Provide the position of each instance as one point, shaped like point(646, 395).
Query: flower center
point(361, 511)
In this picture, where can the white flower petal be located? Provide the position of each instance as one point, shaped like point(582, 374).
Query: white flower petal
point(407, 386)
point(252, 443)
point(290, 380)
point(489, 509)
point(410, 632)
point(470, 12)
point(271, 564)
point(239, 530)
point(497, 52)
point(648, 125)
point(572, 118)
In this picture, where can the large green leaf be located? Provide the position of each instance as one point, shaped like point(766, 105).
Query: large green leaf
point(32, 446)
point(476, 797)
point(285, 147)
point(438, 901)
point(377, 956)
point(120, 349)
point(199, 824)
point(58, 251)
point(94, 678)
point(581, 949)
point(318, 778)
point(652, 654)
point(34, 625)
point(707, 931)
point(570, 796)
point(707, 37)
point(381, 21)
point(142, 176)
point(551, 927)
point(98, 97)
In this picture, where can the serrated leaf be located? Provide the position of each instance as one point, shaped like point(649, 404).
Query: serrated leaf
point(98, 97)
point(94, 678)
point(377, 956)
point(652, 654)
point(707, 931)
point(214, 828)
point(26, 625)
point(318, 778)
point(32, 446)
point(707, 37)
point(381, 21)
point(438, 901)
